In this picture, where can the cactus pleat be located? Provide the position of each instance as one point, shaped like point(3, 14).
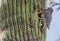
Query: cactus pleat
point(21, 19)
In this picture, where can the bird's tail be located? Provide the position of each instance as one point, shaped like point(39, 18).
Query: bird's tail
point(48, 27)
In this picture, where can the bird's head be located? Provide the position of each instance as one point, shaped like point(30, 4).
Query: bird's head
point(50, 10)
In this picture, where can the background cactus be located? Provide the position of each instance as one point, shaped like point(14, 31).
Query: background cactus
point(18, 15)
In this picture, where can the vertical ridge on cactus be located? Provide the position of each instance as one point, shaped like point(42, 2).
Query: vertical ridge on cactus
point(21, 18)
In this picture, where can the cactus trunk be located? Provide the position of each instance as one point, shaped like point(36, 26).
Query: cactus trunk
point(21, 19)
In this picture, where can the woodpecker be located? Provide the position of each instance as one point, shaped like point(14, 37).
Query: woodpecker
point(48, 16)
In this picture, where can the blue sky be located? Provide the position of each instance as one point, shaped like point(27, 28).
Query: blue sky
point(54, 33)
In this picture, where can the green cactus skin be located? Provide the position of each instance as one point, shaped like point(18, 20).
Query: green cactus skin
point(21, 19)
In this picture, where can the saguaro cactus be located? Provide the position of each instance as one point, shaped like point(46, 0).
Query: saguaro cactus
point(22, 20)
